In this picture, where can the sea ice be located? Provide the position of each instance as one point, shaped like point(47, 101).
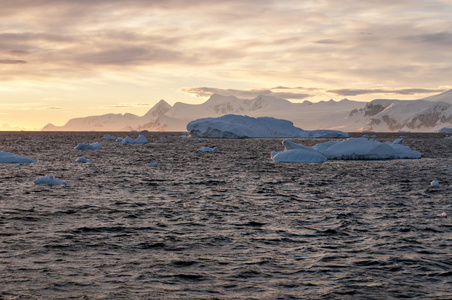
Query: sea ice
point(154, 164)
point(95, 146)
point(208, 149)
point(49, 180)
point(237, 126)
point(141, 139)
point(10, 158)
point(83, 160)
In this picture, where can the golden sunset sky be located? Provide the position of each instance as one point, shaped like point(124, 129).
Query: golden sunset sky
point(61, 59)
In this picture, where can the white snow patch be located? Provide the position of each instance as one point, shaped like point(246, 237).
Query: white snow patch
point(10, 158)
point(49, 180)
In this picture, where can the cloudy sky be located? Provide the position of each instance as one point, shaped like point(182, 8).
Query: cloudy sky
point(61, 59)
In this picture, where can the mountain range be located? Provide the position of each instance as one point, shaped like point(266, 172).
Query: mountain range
point(422, 115)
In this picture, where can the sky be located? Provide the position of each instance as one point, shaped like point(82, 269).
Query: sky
point(62, 59)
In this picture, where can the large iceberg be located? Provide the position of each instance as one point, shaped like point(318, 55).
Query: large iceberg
point(350, 149)
point(237, 126)
point(9, 158)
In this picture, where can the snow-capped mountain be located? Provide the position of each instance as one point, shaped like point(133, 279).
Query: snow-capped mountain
point(403, 115)
point(428, 114)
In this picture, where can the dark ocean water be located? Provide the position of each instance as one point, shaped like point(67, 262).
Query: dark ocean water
point(226, 225)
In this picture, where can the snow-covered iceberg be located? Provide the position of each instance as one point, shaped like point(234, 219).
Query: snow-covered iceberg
point(10, 158)
point(350, 149)
point(95, 146)
point(49, 180)
point(237, 126)
point(365, 149)
point(141, 139)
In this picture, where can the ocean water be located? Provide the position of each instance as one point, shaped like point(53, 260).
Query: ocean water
point(225, 225)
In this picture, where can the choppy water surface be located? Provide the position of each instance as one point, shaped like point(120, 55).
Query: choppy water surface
point(226, 225)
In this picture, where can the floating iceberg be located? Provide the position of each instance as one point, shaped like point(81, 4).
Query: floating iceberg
point(49, 180)
point(139, 140)
point(365, 149)
point(109, 137)
point(9, 158)
point(201, 139)
point(83, 160)
point(95, 146)
point(208, 149)
point(350, 149)
point(237, 126)
point(445, 130)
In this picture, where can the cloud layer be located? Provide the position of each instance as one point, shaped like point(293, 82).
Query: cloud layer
point(355, 48)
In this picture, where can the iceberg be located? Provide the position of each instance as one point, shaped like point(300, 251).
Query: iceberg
point(10, 158)
point(238, 126)
point(49, 180)
point(109, 137)
point(350, 149)
point(208, 149)
point(95, 146)
point(139, 140)
point(83, 160)
point(365, 149)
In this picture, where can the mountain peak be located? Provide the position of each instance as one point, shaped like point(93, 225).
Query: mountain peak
point(161, 108)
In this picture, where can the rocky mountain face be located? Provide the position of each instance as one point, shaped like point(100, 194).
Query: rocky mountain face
point(427, 115)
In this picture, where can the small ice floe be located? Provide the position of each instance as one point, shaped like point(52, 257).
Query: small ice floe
point(109, 137)
point(83, 160)
point(442, 215)
point(435, 184)
point(201, 139)
point(9, 158)
point(141, 139)
point(154, 164)
point(95, 146)
point(369, 136)
point(448, 137)
point(447, 169)
point(49, 180)
point(163, 138)
point(208, 149)
point(405, 163)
